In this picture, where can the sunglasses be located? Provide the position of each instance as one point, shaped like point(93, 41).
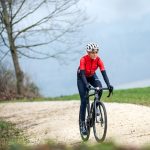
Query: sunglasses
point(94, 52)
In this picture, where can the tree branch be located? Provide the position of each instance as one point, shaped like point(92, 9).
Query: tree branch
point(3, 39)
point(43, 20)
point(32, 57)
point(10, 9)
point(4, 56)
point(18, 9)
point(44, 43)
point(26, 15)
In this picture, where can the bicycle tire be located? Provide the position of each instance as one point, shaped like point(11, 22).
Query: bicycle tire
point(85, 137)
point(102, 121)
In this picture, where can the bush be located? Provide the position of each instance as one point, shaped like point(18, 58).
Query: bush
point(8, 89)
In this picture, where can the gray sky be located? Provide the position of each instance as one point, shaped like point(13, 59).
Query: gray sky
point(121, 28)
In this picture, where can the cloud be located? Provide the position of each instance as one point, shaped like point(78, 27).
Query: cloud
point(106, 11)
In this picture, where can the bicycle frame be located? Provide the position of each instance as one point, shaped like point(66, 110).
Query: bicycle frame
point(94, 104)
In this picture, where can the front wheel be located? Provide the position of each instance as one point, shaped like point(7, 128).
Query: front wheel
point(100, 122)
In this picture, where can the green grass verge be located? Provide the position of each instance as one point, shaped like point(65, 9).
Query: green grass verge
point(10, 135)
point(82, 146)
point(136, 96)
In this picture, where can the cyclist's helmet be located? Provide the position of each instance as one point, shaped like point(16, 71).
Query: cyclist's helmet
point(92, 47)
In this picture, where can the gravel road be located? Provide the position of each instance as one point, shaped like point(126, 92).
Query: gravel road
point(128, 124)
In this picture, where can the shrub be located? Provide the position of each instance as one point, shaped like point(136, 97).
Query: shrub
point(8, 89)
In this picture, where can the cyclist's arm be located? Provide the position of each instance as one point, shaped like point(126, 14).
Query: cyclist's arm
point(82, 71)
point(105, 77)
point(103, 71)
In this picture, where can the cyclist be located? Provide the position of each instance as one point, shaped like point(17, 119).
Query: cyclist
point(86, 76)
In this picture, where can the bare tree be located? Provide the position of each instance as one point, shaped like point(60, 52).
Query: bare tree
point(26, 25)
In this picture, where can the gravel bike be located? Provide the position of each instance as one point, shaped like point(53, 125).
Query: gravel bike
point(96, 116)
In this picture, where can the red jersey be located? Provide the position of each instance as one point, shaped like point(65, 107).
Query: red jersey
point(91, 65)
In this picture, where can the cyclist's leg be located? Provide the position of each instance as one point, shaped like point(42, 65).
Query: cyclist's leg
point(95, 82)
point(82, 93)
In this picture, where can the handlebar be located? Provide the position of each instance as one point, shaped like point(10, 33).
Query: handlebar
point(98, 89)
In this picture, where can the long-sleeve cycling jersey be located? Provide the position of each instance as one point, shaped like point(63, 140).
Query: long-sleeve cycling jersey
point(90, 65)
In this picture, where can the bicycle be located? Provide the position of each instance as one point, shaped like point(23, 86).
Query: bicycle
point(96, 116)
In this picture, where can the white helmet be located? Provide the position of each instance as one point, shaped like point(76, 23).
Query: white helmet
point(92, 47)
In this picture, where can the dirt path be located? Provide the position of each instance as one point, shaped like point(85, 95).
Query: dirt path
point(128, 124)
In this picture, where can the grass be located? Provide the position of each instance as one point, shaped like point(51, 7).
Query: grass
point(136, 96)
point(81, 146)
point(9, 135)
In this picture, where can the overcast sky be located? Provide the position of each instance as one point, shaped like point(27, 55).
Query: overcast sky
point(121, 29)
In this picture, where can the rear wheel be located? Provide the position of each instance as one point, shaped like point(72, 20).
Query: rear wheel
point(100, 122)
point(87, 123)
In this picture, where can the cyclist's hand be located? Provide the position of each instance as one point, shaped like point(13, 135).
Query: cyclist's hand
point(110, 87)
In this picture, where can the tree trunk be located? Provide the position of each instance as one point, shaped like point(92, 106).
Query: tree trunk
point(18, 71)
point(8, 25)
